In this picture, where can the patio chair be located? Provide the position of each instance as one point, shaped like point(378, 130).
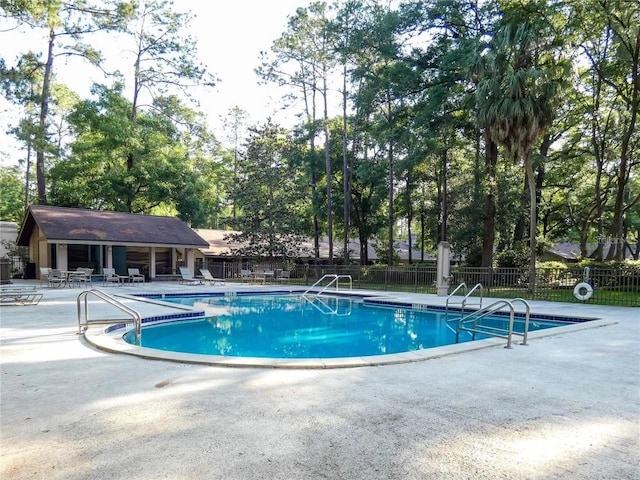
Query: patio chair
point(44, 275)
point(284, 276)
point(188, 278)
point(81, 276)
point(135, 276)
point(56, 278)
point(259, 275)
point(110, 276)
point(245, 275)
point(206, 274)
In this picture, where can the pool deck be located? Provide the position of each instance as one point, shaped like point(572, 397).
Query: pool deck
point(567, 406)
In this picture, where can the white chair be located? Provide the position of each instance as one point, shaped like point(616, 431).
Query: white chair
point(206, 274)
point(110, 276)
point(259, 275)
point(81, 276)
point(56, 278)
point(245, 275)
point(44, 275)
point(188, 278)
point(135, 276)
point(284, 276)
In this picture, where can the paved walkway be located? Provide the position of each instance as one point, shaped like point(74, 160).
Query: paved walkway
point(565, 407)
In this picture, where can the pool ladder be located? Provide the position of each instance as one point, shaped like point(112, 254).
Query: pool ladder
point(476, 328)
point(85, 321)
point(467, 298)
point(335, 281)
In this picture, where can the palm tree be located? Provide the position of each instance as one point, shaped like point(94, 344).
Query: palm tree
point(519, 95)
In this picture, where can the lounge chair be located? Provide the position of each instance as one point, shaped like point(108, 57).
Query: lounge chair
point(19, 295)
point(135, 276)
point(206, 274)
point(188, 278)
point(110, 276)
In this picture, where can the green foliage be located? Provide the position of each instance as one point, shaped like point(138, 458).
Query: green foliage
point(269, 195)
point(97, 174)
point(515, 257)
point(553, 265)
point(424, 83)
point(11, 194)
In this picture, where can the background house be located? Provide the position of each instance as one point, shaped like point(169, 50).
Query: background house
point(570, 252)
point(219, 251)
point(67, 238)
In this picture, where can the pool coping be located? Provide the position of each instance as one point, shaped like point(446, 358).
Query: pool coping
point(110, 339)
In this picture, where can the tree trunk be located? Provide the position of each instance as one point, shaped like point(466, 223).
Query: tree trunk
point(329, 173)
point(443, 202)
point(42, 125)
point(422, 233)
point(391, 209)
point(489, 210)
point(519, 229)
point(346, 173)
point(623, 172)
point(27, 176)
point(409, 216)
point(364, 251)
point(531, 180)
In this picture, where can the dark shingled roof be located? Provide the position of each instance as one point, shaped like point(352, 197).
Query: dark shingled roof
point(75, 225)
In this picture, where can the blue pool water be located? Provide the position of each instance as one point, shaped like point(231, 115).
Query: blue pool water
point(290, 326)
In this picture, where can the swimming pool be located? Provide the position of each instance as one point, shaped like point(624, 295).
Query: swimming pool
point(299, 327)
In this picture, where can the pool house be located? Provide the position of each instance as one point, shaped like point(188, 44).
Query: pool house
point(68, 238)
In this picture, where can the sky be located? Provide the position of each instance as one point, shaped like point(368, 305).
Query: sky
point(230, 36)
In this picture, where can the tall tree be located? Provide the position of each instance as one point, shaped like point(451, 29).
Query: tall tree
point(235, 126)
point(165, 56)
point(66, 24)
point(268, 194)
point(172, 163)
point(302, 58)
point(610, 42)
point(518, 103)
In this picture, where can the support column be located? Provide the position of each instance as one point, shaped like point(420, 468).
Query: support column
point(190, 259)
point(443, 269)
point(109, 260)
point(152, 263)
point(62, 262)
point(174, 260)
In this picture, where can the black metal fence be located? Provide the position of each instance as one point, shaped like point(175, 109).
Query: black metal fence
point(610, 286)
point(19, 267)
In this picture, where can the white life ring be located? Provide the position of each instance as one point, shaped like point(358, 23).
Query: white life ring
point(583, 291)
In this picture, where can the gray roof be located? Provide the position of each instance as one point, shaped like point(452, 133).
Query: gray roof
point(75, 225)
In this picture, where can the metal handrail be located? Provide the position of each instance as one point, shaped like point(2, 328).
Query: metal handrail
point(494, 331)
point(135, 316)
point(463, 303)
point(457, 288)
point(484, 312)
point(527, 315)
point(336, 280)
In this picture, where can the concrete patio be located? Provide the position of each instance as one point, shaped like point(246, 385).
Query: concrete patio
point(565, 407)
